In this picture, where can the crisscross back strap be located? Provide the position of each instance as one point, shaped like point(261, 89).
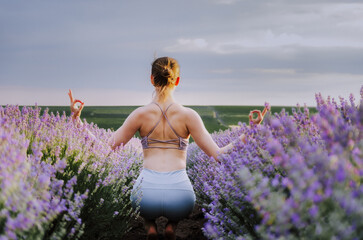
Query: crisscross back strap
point(164, 113)
point(180, 142)
point(154, 127)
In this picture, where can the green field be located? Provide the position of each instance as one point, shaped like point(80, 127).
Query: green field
point(214, 117)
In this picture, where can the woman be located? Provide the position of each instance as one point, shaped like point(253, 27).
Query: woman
point(163, 187)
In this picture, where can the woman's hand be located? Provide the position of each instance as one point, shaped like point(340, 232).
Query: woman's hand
point(259, 118)
point(75, 109)
point(77, 113)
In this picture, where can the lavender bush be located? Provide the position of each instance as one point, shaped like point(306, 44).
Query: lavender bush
point(298, 177)
point(56, 183)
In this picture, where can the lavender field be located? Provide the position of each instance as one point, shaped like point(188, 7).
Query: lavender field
point(299, 176)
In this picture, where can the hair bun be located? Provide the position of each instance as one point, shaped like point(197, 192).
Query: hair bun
point(167, 73)
point(164, 71)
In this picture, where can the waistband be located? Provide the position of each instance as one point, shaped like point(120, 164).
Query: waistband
point(157, 177)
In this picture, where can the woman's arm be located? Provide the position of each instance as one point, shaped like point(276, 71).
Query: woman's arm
point(76, 114)
point(121, 136)
point(205, 141)
point(128, 129)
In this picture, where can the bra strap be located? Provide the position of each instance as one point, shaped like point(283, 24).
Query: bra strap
point(156, 123)
point(164, 113)
point(153, 128)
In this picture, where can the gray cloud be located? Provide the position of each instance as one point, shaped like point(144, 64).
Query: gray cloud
point(222, 45)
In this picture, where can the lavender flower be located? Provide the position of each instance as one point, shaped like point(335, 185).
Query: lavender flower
point(49, 175)
point(297, 176)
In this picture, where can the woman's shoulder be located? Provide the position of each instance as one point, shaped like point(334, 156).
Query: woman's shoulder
point(146, 110)
point(140, 111)
point(188, 112)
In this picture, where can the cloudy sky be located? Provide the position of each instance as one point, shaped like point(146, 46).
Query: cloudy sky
point(231, 52)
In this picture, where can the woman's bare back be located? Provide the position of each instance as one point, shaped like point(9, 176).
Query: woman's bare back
point(160, 159)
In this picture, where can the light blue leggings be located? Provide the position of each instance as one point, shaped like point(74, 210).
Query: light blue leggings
point(168, 194)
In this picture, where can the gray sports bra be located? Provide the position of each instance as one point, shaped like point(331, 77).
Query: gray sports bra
point(180, 143)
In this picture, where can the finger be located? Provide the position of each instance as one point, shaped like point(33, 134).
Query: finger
point(258, 119)
point(264, 111)
point(77, 100)
point(70, 95)
point(256, 111)
point(73, 104)
point(78, 113)
point(259, 115)
point(80, 108)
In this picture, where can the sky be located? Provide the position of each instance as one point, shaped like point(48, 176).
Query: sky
point(231, 52)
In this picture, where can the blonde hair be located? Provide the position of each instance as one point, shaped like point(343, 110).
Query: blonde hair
point(165, 71)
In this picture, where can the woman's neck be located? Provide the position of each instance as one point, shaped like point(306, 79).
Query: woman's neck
point(166, 99)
